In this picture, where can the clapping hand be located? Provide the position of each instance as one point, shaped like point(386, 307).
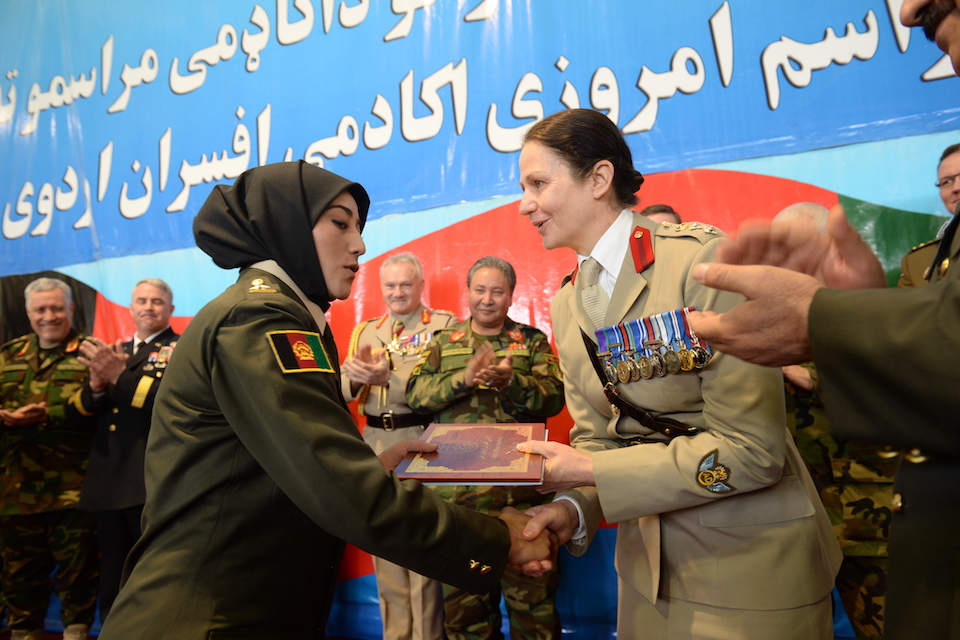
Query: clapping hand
point(105, 363)
point(367, 367)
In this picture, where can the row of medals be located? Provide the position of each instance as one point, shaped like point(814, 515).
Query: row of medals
point(636, 366)
point(409, 345)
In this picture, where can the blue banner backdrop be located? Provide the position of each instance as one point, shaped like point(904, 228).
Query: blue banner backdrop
point(115, 117)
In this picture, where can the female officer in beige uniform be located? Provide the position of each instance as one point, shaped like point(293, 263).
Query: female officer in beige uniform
point(721, 534)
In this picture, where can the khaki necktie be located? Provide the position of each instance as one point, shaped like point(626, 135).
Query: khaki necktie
point(594, 298)
point(397, 328)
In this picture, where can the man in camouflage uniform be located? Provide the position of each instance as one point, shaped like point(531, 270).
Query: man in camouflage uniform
point(458, 378)
point(44, 446)
point(381, 355)
point(854, 480)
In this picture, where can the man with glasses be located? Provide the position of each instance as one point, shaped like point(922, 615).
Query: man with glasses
point(915, 266)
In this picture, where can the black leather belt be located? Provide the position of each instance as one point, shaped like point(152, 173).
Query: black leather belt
point(666, 426)
point(392, 421)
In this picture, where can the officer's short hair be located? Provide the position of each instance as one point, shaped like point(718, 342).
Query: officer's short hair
point(493, 262)
point(660, 208)
point(816, 214)
point(47, 284)
point(158, 283)
point(409, 258)
point(949, 151)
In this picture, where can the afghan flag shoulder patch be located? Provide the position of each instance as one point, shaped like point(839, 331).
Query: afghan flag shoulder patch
point(299, 351)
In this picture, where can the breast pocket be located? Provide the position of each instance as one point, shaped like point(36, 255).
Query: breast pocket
point(13, 374)
point(521, 359)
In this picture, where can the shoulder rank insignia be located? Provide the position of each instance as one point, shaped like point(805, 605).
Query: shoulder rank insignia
point(299, 351)
point(457, 336)
point(641, 246)
point(713, 476)
point(23, 349)
point(257, 286)
point(516, 335)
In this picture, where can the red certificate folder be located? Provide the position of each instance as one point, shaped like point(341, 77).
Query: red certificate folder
point(477, 454)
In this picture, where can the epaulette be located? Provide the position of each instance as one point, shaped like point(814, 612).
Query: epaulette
point(16, 343)
point(444, 312)
point(355, 337)
point(699, 230)
point(925, 244)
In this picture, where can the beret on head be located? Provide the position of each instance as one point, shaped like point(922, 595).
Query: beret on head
point(269, 214)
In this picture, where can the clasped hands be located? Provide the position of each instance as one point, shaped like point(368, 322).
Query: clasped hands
point(481, 369)
point(28, 414)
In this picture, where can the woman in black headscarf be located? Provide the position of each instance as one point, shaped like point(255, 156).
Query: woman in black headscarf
point(255, 471)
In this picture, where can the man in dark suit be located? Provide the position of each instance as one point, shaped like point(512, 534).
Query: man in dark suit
point(123, 383)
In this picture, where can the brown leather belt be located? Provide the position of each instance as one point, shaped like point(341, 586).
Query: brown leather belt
point(392, 421)
point(666, 426)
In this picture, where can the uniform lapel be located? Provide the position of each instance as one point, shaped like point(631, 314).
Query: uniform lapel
point(135, 360)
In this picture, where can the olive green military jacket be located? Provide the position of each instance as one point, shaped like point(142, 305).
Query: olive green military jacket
point(885, 361)
point(438, 384)
point(886, 365)
point(256, 475)
point(43, 464)
point(758, 540)
point(914, 265)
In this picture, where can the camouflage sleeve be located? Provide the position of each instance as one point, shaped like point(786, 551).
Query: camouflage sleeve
point(63, 407)
point(431, 388)
point(539, 392)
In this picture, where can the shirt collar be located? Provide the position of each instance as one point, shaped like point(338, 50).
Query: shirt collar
point(612, 246)
point(149, 338)
point(271, 267)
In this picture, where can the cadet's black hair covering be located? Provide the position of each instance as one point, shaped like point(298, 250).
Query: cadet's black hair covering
point(269, 213)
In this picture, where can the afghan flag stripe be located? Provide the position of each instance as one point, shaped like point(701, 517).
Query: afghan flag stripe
point(299, 351)
point(319, 353)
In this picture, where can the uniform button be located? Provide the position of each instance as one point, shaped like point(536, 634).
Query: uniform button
point(116, 410)
point(888, 452)
point(897, 503)
point(915, 456)
point(113, 427)
point(159, 374)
